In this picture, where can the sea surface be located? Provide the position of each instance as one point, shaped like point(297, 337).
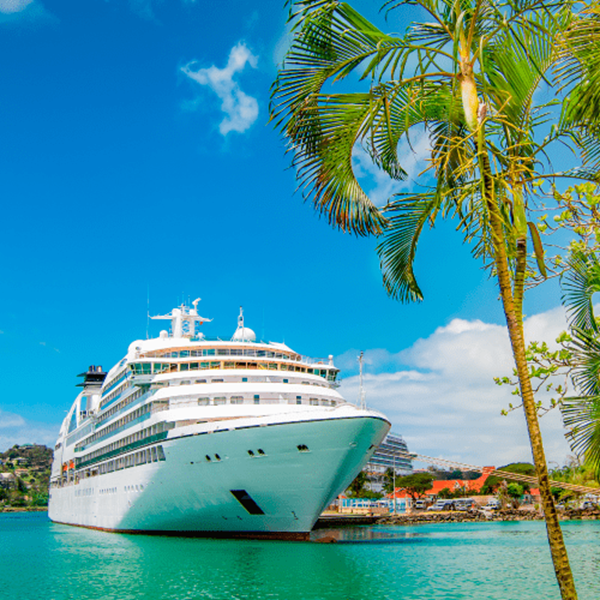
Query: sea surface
point(504, 561)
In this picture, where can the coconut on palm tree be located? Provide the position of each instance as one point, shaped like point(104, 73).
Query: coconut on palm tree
point(473, 75)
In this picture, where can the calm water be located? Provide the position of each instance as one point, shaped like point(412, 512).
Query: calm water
point(504, 561)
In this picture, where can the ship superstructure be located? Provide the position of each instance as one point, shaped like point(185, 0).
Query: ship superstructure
point(191, 435)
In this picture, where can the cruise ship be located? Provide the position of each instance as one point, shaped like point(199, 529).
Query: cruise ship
point(188, 435)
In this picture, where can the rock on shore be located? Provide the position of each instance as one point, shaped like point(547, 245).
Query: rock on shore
point(485, 516)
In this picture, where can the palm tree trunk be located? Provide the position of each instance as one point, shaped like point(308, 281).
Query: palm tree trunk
point(513, 312)
point(514, 321)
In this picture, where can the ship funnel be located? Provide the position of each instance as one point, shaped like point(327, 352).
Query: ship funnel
point(93, 378)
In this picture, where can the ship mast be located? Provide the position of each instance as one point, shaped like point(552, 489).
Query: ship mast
point(183, 320)
point(361, 387)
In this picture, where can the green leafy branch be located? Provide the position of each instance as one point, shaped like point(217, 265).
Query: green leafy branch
point(549, 370)
point(575, 212)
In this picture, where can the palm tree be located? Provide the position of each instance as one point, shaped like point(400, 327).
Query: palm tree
point(358, 485)
point(470, 77)
point(581, 413)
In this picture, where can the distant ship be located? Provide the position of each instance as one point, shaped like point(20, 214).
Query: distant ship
point(191, 436)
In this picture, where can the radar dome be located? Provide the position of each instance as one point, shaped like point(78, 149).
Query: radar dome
point(244, 334)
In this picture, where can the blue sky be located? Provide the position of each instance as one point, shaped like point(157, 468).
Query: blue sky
point(136, 161)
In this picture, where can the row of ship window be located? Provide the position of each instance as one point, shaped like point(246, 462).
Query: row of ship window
point(130, 439)
point(116, 392)
point(175, 382)
point(118, 379)
point(139, 392)
point(142, 457)
point(110, 490)
point(157, 368)
point(222, 352)
point(257, 399)
point(146, 409)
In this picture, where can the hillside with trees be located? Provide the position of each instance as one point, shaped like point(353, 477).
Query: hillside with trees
point(24, 477)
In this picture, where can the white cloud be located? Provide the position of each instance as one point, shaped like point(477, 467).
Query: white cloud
point(29, 13)
point(13, 6)
point(240, 109)
point(283, 45)
point(378, 184)
point(10, 420)
point(14, 429)
point(440, 395)
point(143, 8)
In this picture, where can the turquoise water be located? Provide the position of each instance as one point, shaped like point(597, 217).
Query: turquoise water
point(504, 561)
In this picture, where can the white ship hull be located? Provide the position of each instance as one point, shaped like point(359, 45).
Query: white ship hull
point(191, 436)
point(188, 494)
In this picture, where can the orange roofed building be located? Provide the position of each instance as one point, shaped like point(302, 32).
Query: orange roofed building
point(472, 486)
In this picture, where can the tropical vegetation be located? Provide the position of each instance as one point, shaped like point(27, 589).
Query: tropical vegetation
point(360, 488)
point(25, 476)
point(494, 85)
point(493, 482)
point(577, 473)
point(570, 368)
point(415, 485)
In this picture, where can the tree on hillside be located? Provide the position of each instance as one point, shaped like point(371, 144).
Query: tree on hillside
point(493, 481)
point(469, 76)
point(415, 485)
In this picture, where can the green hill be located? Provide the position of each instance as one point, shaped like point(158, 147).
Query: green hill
point(24, 476)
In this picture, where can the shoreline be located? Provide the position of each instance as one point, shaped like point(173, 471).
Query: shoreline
point(507, 515)
point(349, 520)
point(14, 509)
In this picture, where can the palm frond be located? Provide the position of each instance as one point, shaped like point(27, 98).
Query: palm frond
point(580, 282)
point(581, 415)
point(407, 215)
point(580, 67)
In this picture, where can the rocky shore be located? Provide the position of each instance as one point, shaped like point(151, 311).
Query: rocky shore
point(20, 509)
point(485, 516)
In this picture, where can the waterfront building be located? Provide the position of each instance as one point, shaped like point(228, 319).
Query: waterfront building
point(391, 454)
point(467, 487)
point(7, 481)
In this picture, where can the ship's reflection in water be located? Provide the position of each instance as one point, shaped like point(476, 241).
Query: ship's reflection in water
point(374, 535)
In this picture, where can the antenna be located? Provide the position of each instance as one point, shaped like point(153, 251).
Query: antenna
point(361, 389)
point(148, 315)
